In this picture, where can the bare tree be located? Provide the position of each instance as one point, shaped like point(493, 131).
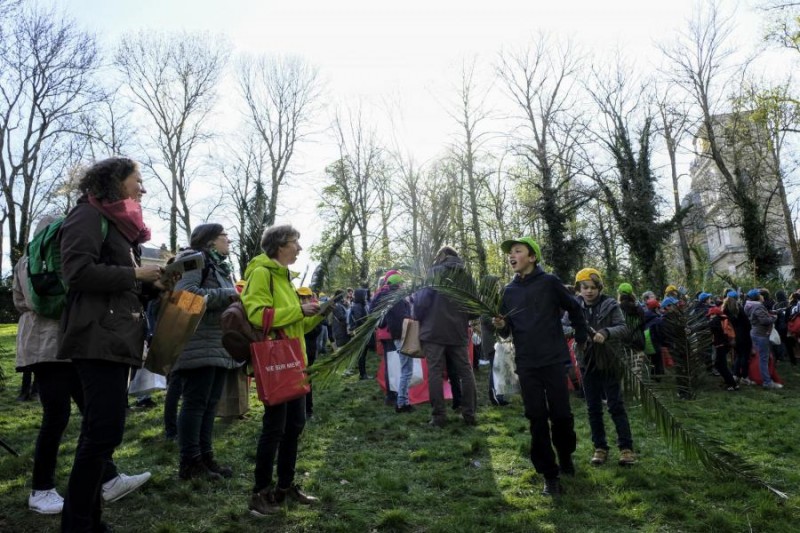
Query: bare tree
point(281, 94)
point(173, 78)
point(362, 162)
point(469, 114)
point(698, 59)
point(46, 66)
point(541, 81)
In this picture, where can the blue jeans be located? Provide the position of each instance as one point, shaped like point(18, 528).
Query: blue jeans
point(597, 386)
point(406, 371)
point(761, 344)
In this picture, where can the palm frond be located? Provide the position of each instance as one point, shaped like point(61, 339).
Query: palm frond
point(476, 299)
point(692, 444)
point(326, 369)
point(689, 337)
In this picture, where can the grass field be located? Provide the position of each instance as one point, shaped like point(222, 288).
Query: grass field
point(377, 471)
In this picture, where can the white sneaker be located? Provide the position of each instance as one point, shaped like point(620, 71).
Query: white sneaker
point(747, 381)
point(122, 485)
point(45, 501)
point(773, 385)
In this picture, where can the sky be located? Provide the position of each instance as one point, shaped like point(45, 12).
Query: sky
point(399, 57)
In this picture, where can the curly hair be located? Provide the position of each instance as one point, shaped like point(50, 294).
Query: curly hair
point(276, 236)
point(102, 180)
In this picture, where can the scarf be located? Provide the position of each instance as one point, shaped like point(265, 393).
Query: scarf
point(220, 262)
point(127, 217)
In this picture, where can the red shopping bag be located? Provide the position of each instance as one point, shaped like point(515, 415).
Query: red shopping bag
point(279, 366)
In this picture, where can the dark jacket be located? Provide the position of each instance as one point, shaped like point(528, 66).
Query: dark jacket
point(340, 335)
point(104, 318)
point(440, 320)
point(532, 307)
point(205, 346)
point(634, 318)
point(358, 309)
point(605, 317)
point(393, 320)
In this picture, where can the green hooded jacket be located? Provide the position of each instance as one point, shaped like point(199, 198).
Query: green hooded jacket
point(283, 298)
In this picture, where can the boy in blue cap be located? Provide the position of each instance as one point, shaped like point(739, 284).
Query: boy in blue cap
point(531, 310)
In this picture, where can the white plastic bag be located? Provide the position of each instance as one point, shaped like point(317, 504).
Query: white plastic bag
point(145, 382)
point(774, 337)
point(504, 369)
point(393, 362)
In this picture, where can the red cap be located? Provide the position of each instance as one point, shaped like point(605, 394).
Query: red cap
point(653, 304)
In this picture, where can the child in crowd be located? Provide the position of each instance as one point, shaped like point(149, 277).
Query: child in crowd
point(531, 311)
point(601, 366)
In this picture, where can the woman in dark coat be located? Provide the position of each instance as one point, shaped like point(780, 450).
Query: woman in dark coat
point(103, 325)
point(204, 363)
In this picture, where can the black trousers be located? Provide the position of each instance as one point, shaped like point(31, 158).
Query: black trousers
point(59, 385)
point(105, 389)
point(546, 398)
point(280, 431)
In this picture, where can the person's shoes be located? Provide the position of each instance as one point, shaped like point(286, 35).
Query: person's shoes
point(364, 377)
point(437, 422)
point(626, 457)
point(145, 403)
point(732, 388)
point(456, 407)
point(263, 503)
point(773, 385)
point(566, 466)
point(195, 468)
point(746, 381)
point(213, 466)
point(404, 409)
point(122, 485)
point(390, 399)
point(294, 493)
point(600, 456)
point(24, 397)
point(552, 487)
point(470, 421)
point(45, 501)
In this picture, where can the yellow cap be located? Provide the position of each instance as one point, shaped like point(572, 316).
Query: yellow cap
point(586, 275)
point(305, 291)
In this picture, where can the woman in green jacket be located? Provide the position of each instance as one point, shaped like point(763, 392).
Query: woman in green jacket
point(269, 285)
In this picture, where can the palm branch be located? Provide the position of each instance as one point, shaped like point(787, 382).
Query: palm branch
point(325, 369)
point(475, 299)
point(689, 336)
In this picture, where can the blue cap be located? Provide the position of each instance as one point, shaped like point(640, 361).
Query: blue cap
point(732, 294)
point(703, 296)
point(753, 294)
point(669, 300)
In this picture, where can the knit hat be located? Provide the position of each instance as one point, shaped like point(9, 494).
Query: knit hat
point(394, 279)
point(586, 275)
point(625, 288)
point(204, 234)
point(716, 310)
point(527, 241)
point(305, 291)
point(669, 300)
point(753, 294)
point(703, 296)
point(732, 294)
point(652, 304)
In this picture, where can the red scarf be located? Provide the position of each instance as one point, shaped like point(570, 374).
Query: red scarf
point(127, 217)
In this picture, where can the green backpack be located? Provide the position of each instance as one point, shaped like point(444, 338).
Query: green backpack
point(46, 284)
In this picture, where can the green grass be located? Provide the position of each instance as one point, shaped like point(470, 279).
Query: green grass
point(378, 471)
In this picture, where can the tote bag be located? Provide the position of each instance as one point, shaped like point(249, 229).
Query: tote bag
point(178, 317)
point(278, 365)
point(409, 343)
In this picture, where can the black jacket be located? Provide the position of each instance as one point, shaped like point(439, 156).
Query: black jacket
point(393, 320)
point(104, 318)
point(358, 309)
point(532, 306)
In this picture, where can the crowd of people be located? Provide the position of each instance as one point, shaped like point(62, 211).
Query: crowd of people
point(87, 356)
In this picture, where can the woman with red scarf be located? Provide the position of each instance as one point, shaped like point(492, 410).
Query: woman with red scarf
point(103, 325)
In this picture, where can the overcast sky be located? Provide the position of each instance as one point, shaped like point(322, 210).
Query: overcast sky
point(396, 55)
